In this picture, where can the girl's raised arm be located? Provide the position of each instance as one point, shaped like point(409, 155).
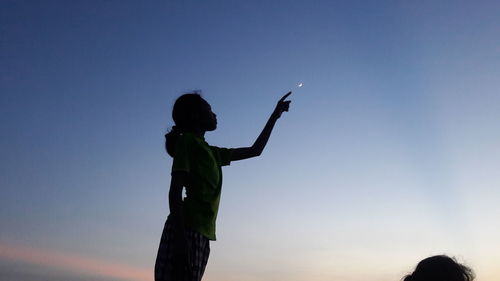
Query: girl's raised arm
point(261, 141)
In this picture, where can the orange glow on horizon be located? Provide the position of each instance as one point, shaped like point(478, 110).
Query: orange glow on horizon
point(74, 263)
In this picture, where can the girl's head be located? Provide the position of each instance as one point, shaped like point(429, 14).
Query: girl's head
point(440, 268)
point(191, 113)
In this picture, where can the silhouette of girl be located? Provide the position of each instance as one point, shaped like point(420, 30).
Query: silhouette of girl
point(184, 246)
point(440, 268)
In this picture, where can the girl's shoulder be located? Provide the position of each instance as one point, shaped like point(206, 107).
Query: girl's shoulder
point(184, 140)
point(190, 140)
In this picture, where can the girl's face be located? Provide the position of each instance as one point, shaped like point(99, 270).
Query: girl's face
point(208, 118)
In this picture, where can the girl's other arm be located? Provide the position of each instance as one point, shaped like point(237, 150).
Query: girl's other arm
point(175, 196)
point(261, 141)
point(175, 203)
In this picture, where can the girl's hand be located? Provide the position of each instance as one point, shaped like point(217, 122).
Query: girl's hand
point(282, 106)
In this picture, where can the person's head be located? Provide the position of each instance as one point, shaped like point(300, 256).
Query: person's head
point(191, 113)
point(440, 268)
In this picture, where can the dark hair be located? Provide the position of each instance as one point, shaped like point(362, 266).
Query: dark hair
point(186, 112)
point(440, 268)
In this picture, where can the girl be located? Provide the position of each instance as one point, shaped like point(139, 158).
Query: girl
point(184, 246)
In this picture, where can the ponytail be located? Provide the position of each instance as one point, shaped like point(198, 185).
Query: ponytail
point(171, 139)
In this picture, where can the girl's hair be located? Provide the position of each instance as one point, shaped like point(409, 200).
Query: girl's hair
point(186, 112)
point(440, 268)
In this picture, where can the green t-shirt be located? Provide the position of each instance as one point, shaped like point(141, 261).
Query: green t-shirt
point(203, 164)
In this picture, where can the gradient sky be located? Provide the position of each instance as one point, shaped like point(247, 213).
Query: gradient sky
point(390, 151)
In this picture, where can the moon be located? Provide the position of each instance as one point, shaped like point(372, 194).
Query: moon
point(300, 85)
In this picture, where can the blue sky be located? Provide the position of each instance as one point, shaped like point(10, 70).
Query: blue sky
point(389, 153)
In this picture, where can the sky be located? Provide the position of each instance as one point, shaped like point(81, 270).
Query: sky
point(390, 151)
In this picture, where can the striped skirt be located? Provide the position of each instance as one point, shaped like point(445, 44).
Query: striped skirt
point(168, 267)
